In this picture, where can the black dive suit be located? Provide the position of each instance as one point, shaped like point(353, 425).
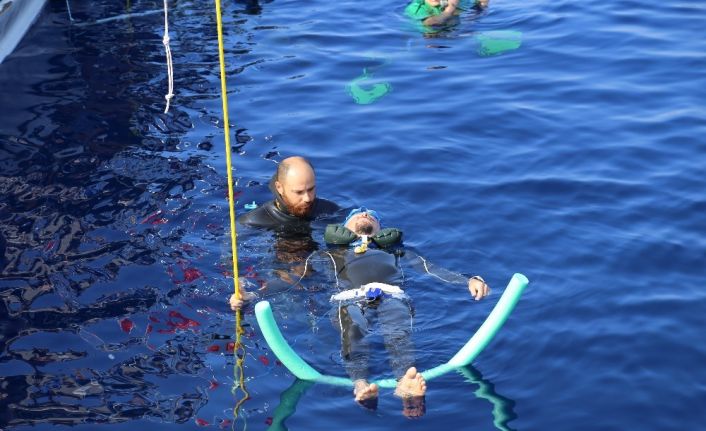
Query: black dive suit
point(392, 313)
point(274, 214)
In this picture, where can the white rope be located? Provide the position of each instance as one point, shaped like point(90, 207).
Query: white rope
point(426, 268)
point(340, 320)
point(170, 67)
point(306, 264)
point(335, 270)
point(68, 8)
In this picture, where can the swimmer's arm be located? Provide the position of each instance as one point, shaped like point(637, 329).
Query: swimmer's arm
point(283, 280)
point(477, 287)
point(421, 264)
point(326, 262)
point(449, 12)
point(300, 270)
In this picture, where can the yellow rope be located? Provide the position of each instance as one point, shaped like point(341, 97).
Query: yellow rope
point(238, 348)
point(229, 166)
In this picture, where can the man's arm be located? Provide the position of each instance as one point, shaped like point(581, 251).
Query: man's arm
point(448, 13)
point(318, 261)
point(476, 285)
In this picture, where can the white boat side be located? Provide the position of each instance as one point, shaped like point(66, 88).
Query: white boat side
point(16, 17)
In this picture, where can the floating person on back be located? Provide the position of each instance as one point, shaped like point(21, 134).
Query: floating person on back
point(368, 261)
point(434, 13)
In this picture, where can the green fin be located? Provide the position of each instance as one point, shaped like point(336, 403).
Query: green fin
point(498, 41)
point(364, 96)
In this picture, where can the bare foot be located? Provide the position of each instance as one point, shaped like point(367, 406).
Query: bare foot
point(366, 394)
point(412, 384)
point(411, 388)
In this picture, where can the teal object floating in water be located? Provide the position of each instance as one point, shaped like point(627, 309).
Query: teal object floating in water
point(366, 96)
point(497, 42)
point(302, 370)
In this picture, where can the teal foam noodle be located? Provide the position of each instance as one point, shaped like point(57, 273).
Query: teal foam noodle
point(289, 358)
point(475, 345)
point(284, 352)
point(492, 323)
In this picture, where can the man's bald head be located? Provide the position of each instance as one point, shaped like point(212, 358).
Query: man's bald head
point(295, 165)
point(296, 185)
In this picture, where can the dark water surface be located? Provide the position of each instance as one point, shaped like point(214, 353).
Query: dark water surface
point(577, 159)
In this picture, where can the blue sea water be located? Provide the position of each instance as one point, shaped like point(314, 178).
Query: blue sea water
point(576, 158)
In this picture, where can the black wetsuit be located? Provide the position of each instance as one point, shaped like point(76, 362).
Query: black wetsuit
point(274, 215)
point(393, 315)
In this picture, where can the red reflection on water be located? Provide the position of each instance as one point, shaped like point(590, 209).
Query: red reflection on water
point(126, 325)
point(182, 322)
point(154, 219)
point(191, 274)
point(236, 194)
point(250, 272)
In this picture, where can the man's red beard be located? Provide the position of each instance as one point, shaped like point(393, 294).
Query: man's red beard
point(301, 210)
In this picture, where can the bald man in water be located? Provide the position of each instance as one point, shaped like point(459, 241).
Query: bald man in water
point(293, 207)
point(295, 203)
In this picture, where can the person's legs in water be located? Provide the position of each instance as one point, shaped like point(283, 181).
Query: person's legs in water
point(355, 353)
point(395, 318)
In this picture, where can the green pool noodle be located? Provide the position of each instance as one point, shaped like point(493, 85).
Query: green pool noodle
point(302, 370)
point(497, 42)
